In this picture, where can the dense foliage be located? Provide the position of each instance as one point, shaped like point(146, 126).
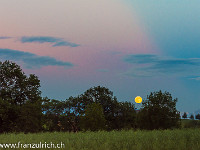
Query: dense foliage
point(93, 118)
point(20, 100)
point(159, 112)
point(22, 109)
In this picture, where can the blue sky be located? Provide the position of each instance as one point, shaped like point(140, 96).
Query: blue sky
point(173, 24)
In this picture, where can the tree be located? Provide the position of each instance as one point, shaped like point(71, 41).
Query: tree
point(125, 116)
point(8, 116)
point(101, 95)
point(17, 91)
point(192, 117)
point(54, 117)
point(104, 97)
point(197, 116)
point(94, 118)
point(118, 115)
point(184, 115)
point(15, 86)
point(29, 118)
point(158, 112)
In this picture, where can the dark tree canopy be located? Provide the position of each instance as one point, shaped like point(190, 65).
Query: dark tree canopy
point(17, 91)
point(125, 116)
point(104, 97)
point(94, 118)
point(159, 112)
point(192, 117)
point(15, 86)
point(55, 116)
point(184, 115)
point(197, 116)
point(117, 115)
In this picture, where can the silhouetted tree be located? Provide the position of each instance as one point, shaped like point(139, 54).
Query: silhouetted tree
point(192, 117)
point(125, 116)
point(77, 105)
point(54, 115)
point(94, 118)
point(158, 112)
point(117, 115)
point(17, 91)
point(184, 115)
point(197, 116)
point(104, 97)
point(29, 119)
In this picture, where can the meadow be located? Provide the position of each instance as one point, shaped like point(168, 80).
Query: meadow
point(178, 139)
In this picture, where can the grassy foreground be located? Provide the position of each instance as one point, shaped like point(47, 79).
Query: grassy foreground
point(185, 139)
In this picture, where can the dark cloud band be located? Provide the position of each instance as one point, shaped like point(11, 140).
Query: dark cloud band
point(152, 65)
point(31, 60)
point(47, 39)
point(4, 37)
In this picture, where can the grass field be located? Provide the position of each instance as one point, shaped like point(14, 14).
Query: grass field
point(185, 123)
point(185, 139)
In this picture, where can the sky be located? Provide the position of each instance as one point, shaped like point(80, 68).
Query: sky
point(132, 47)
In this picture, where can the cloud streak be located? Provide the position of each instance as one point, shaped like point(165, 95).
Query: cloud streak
point(31, 60)
point(153, 65)
point(4, 37)
point(47, 39)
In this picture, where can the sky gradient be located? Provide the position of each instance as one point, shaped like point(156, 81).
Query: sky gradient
point(131, 47)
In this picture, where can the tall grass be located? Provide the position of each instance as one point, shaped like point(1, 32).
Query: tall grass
point(184, 139)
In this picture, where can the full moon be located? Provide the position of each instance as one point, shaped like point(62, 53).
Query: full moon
point(138, 99)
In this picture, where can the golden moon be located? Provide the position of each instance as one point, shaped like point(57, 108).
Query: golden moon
point(138, 99)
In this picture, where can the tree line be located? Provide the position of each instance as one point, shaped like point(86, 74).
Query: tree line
point(185, 116)
point(23, 109)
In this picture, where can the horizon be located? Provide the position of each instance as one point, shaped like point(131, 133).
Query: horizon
point(130, 47)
